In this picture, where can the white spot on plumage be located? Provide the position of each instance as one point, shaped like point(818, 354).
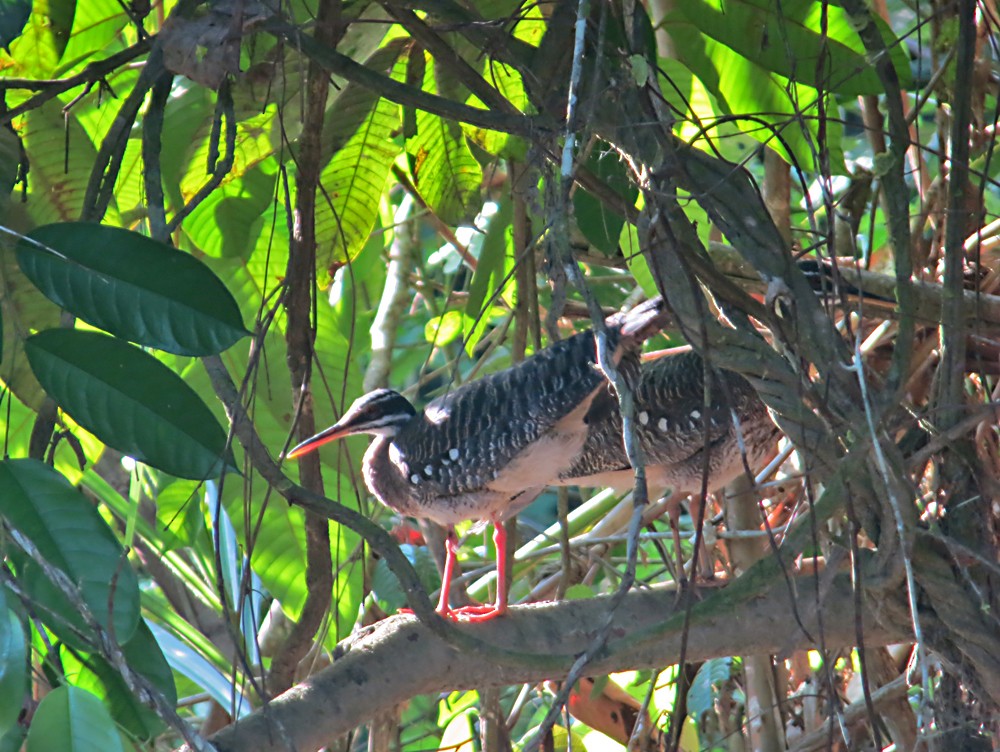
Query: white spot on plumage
point(695, 415)
point(428, 470)
point(644, 417)
point(415, 479)
point(453, 454)
point(663, 424)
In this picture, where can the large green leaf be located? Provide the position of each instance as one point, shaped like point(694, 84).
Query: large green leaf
point(446, 174)
point(769, 107)
point(13, 665)
point(133, 286)
point(493, 272)
point(96, 24)
point(24, 309)
point(359, 137)
point(229, 221)
point(61, 155)
point(130, 401)
point(786, 38)
point(71, 535)
point(72, 719)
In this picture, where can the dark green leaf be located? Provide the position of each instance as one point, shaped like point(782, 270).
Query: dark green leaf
point(72, 719)
point(133, 286)
point(130, 401)
point(13, 665)
point(13, 16)
point(72, 536)
point(600, 224)
point(385, 585)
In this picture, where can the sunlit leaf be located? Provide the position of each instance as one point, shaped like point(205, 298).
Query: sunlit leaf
point(446, 174)
point(767, 106)
point(444, 329)
point(143, 656)
point(130, 401)
point(96, 24)
point(359, 138)
point(787, 38)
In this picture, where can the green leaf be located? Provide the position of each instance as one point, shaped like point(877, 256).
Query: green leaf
point(59, 175)
point(13, 16)
point(133, 286)
point(72, 719)
point(144, 656)
point(228, 222)
point(96, 24)
point(130, 401)
point(13, 665)
point(386, 587)
point(178, 513)
point(359, 137)
point(70, 534)
point(25, 309)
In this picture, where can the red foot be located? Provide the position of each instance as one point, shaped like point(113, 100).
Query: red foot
point(475, 613)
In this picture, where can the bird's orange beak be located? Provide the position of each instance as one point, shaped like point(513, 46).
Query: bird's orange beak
point(323, 437)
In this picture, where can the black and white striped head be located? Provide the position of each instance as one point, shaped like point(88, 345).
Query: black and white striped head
point(383, 412)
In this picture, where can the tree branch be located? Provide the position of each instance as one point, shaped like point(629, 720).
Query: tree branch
point(401, 658)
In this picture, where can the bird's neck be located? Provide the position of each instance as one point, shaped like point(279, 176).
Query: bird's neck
point(387, 479)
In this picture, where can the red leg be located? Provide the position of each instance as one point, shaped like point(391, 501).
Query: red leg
point(474, 612)
point(450, 557)
point(488, 612)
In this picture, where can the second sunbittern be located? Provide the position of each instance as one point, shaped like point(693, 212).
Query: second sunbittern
point(485, 450)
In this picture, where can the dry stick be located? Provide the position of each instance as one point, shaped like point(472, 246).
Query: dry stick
point(410, 96)
point(51, 88)
point(299, 307)
point(625, 398)
point(820, 738)
point(951, 370)
point(395, 296)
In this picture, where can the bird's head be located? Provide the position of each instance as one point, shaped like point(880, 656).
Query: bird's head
point(382, 412)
